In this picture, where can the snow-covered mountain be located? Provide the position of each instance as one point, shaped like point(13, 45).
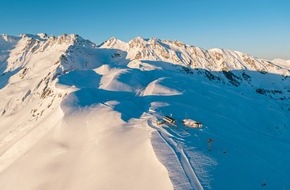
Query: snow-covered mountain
point(76, 115)
point(181, 54)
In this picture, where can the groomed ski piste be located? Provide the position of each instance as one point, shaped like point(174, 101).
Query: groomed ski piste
point(79, 116)
point(181, 159)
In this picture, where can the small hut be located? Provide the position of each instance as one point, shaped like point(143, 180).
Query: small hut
point(191, 123)
point(169, 120)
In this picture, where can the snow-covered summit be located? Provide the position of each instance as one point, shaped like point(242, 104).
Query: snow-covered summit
point(114, 43)
point(8, 38)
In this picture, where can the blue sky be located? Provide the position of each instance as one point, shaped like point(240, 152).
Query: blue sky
point(258, 27)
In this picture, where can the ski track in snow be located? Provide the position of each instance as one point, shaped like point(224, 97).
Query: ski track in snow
point(180, 154)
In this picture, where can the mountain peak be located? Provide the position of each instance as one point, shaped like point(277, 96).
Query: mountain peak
point(114, 42)
point(43, 35)
point(33, 37)
point(140, 39)
point(8, 38)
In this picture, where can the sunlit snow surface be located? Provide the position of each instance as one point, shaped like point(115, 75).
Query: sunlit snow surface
point(77, 116)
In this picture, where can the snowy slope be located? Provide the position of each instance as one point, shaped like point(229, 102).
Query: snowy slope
point(74, 115)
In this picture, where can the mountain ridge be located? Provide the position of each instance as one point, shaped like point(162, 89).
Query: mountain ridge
point(217, 59)
point(113, 42)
